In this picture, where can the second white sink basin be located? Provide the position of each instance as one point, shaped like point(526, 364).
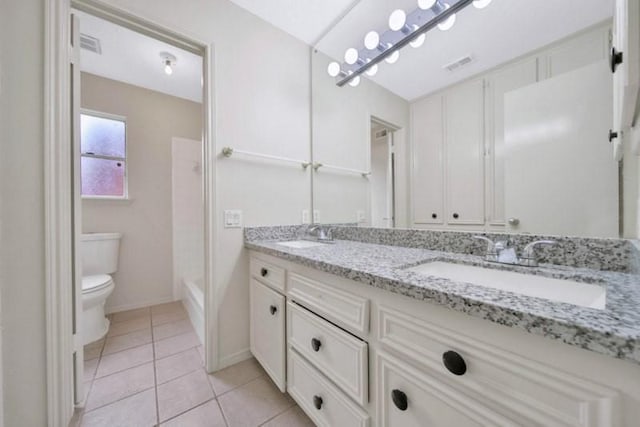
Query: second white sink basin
point(560, 290)
point(301, 244)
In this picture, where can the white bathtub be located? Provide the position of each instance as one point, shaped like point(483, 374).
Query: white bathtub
point(194, 302)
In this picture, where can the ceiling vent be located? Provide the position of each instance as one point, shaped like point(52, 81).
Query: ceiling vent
point(381, 133)
point(91, 44)
point(458, 63)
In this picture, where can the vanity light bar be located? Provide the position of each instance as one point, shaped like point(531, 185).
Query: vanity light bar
point(417, 24)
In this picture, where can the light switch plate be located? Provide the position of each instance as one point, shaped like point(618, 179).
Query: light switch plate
point(316, 216)
point(305, 216)
point(232, 218)
point(361, 217)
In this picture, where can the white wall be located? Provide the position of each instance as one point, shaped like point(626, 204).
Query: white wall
point(262, 103)
point(188, 212)
point(342, 137)
point(22, 281)
point(145, 273)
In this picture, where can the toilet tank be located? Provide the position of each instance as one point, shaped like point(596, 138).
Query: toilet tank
point(99, 253)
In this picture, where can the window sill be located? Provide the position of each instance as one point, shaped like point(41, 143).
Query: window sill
point(117, 200)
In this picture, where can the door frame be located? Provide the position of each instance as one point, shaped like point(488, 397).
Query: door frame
point(59, 199)
point(391, 186)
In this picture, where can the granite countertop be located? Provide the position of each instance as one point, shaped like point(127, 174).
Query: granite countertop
point(614, 331)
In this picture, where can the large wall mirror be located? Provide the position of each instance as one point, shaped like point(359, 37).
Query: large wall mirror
point(499, 123)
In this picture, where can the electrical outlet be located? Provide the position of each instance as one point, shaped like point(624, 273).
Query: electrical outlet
point(316, 216)
point(361, 217)
point(305, 216)
point(232, 219)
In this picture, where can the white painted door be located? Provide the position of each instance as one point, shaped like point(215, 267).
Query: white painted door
point(464, 136)
point(427, 169)
point(560, 177)
point(76, 209)
point(500, 82)
point(267, 333)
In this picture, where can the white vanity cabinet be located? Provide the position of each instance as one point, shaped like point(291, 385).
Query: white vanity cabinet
point(267, 323)
point(357, 355)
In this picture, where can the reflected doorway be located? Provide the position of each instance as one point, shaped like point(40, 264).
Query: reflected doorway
point(382, 178)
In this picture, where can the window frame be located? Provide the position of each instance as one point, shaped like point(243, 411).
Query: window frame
point(125, 159)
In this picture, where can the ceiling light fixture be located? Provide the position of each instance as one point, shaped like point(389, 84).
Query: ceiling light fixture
point(404, 28)
point(169, 62)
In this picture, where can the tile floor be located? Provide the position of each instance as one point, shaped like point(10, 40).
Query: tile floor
point(149, 371)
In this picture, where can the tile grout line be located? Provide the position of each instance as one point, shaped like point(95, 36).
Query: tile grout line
point(155, 374)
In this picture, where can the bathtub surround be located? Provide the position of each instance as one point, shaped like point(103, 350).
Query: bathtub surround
point(613, 331)
point(145, 275)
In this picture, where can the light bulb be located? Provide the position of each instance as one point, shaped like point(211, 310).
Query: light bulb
point(447, 23)
point(481, 4)
point(351, 56)
point(397, 19)
point(372, 71)
point(372, 40)
point(391, 59)
point(418, 41)
point(355, 81)
point(333, 69)
point(167, 68)
point(426, 4)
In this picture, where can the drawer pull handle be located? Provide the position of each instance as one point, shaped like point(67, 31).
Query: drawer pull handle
point(455, 215)
point(454, 362)
point(273, 309)
point(317, 402)
point(315, 344)
point(264, 272)
point(399, 399)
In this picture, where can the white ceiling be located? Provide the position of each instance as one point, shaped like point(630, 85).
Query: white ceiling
point(306, 20)
point(133, 58)
point(503, 31)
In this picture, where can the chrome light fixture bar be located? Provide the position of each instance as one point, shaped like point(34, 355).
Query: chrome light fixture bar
point(405, 29)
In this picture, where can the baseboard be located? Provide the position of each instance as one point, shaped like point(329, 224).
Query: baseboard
point(234, 358)
point(196, 314)
point(148, 303)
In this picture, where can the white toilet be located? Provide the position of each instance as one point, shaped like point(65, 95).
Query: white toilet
point(99, 253)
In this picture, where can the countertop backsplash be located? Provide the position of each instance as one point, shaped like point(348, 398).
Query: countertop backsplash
point(604, 254)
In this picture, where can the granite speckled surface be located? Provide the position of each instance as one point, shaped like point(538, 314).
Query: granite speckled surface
point(614, 331)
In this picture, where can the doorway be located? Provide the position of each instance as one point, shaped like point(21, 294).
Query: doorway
point(136, 90)
point(382, 178)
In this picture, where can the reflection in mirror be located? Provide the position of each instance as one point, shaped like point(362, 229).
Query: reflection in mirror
point(499, 123)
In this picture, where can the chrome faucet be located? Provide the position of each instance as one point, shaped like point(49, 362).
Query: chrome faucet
point(528, 257)
point(503, 252)
point(319, 232)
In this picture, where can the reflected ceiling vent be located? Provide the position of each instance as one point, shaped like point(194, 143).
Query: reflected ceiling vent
point(381, 133)
point(458, 63)
point(91, 44)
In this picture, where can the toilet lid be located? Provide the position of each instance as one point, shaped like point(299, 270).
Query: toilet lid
point(95, 283)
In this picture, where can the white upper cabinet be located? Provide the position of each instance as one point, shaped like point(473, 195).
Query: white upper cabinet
point(579, 51)
point(626, 78)
point(428, 159)
point(464, 135)
point(500, 82)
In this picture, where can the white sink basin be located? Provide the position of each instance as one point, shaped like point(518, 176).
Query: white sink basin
point(300, 244)
point(560, 290)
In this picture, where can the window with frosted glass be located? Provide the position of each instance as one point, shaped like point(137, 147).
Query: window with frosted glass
point(103, 156)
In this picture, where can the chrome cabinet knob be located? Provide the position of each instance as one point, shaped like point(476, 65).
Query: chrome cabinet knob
point(513, 221)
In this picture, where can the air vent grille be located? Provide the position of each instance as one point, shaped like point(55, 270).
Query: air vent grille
point(458, 63)
point(90, 43)
point(381, 133)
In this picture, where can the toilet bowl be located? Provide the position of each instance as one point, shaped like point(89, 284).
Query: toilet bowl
point(99, 260)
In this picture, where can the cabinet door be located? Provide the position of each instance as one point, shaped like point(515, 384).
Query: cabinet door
point(428, 167)
point(267, 333)
point(626, 79)
point(502, 81)
point(583, 50)
point(464, 118)
point(408, 397)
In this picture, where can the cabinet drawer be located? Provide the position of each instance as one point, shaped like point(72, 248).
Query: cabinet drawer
point(338, 354)
point(267, 333)
point(408, 398)
point(533, 393)
point(322, 401)
point(268, 273)
point(343, 308)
